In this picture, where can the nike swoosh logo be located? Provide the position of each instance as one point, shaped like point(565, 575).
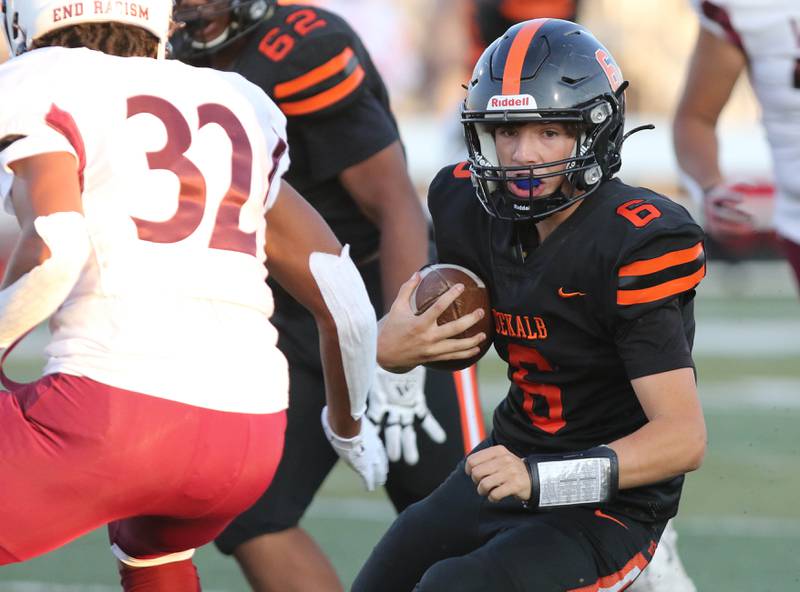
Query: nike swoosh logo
point(564, 294)
point(600, 514)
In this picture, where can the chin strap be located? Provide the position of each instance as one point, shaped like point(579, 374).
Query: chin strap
point(209, 45)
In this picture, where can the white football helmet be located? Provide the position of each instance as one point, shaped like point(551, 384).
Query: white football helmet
point(27, 20)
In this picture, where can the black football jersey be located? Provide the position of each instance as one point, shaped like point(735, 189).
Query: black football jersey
point(606, 298)
point(316, 69)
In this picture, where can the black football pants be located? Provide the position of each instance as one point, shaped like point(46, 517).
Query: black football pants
point(457, 540)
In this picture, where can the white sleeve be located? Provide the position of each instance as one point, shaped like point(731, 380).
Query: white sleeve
point(345, 295)
point(24, 129)
point(272, 122)
point(40, 139)
point(279, 149)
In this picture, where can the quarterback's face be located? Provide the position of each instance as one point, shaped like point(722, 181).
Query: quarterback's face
point(531, 144)
point(205, 19)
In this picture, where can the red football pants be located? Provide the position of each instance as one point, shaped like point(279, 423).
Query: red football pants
point(167, 477)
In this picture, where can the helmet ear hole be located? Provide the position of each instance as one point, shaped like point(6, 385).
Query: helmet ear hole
point(591, 176)
point(254, 11)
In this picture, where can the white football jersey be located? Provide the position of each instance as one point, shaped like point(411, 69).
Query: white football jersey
point(178, 166)
point(768, 31)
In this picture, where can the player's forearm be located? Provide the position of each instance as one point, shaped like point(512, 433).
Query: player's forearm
point(697, 149)
point(403, 249)
point(383, 191)
point(714, 68)
point(661, 449)
point(336, 393)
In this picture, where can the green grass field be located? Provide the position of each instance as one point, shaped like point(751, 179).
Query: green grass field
point(739, 524)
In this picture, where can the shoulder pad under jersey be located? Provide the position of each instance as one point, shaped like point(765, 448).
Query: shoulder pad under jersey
point(456, 214)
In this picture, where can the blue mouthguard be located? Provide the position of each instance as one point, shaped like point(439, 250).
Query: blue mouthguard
point(527, 183)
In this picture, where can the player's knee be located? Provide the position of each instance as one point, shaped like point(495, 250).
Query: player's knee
point(465, 574)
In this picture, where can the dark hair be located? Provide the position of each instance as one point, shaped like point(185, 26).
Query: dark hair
point(111, 38)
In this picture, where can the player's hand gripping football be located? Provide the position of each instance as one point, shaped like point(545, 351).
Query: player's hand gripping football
point(406, 340)
point(364, 452)
point(400, 398)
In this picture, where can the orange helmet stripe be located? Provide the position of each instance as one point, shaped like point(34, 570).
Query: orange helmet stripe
point(516, 56)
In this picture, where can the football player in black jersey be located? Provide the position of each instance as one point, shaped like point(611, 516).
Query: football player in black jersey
point(348, 162)
point(592, 283)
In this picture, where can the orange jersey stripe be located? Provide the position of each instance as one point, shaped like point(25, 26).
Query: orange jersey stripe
point(618, 580)
point(472, 428)
point(315, 76)
point(325, 98)
point(663, 262)
point(670, 288)
point(516, 56)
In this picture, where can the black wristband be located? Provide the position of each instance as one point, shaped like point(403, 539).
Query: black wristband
point(533, 474)
point(613, 483)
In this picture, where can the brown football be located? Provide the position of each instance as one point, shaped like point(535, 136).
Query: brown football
point(436, 280)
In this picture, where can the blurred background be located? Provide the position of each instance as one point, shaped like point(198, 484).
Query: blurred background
point(739, 524)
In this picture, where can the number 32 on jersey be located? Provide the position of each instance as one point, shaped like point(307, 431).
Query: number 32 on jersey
point(192, 194)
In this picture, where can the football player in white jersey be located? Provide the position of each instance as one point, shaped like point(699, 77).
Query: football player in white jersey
point(149, 196)
point(763, 38)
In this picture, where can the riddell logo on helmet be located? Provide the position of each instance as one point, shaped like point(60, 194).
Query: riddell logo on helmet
point(504, 102)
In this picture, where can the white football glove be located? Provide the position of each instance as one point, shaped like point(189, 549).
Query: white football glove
point(400, 398)
point(739, 209)
point(364, 453)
